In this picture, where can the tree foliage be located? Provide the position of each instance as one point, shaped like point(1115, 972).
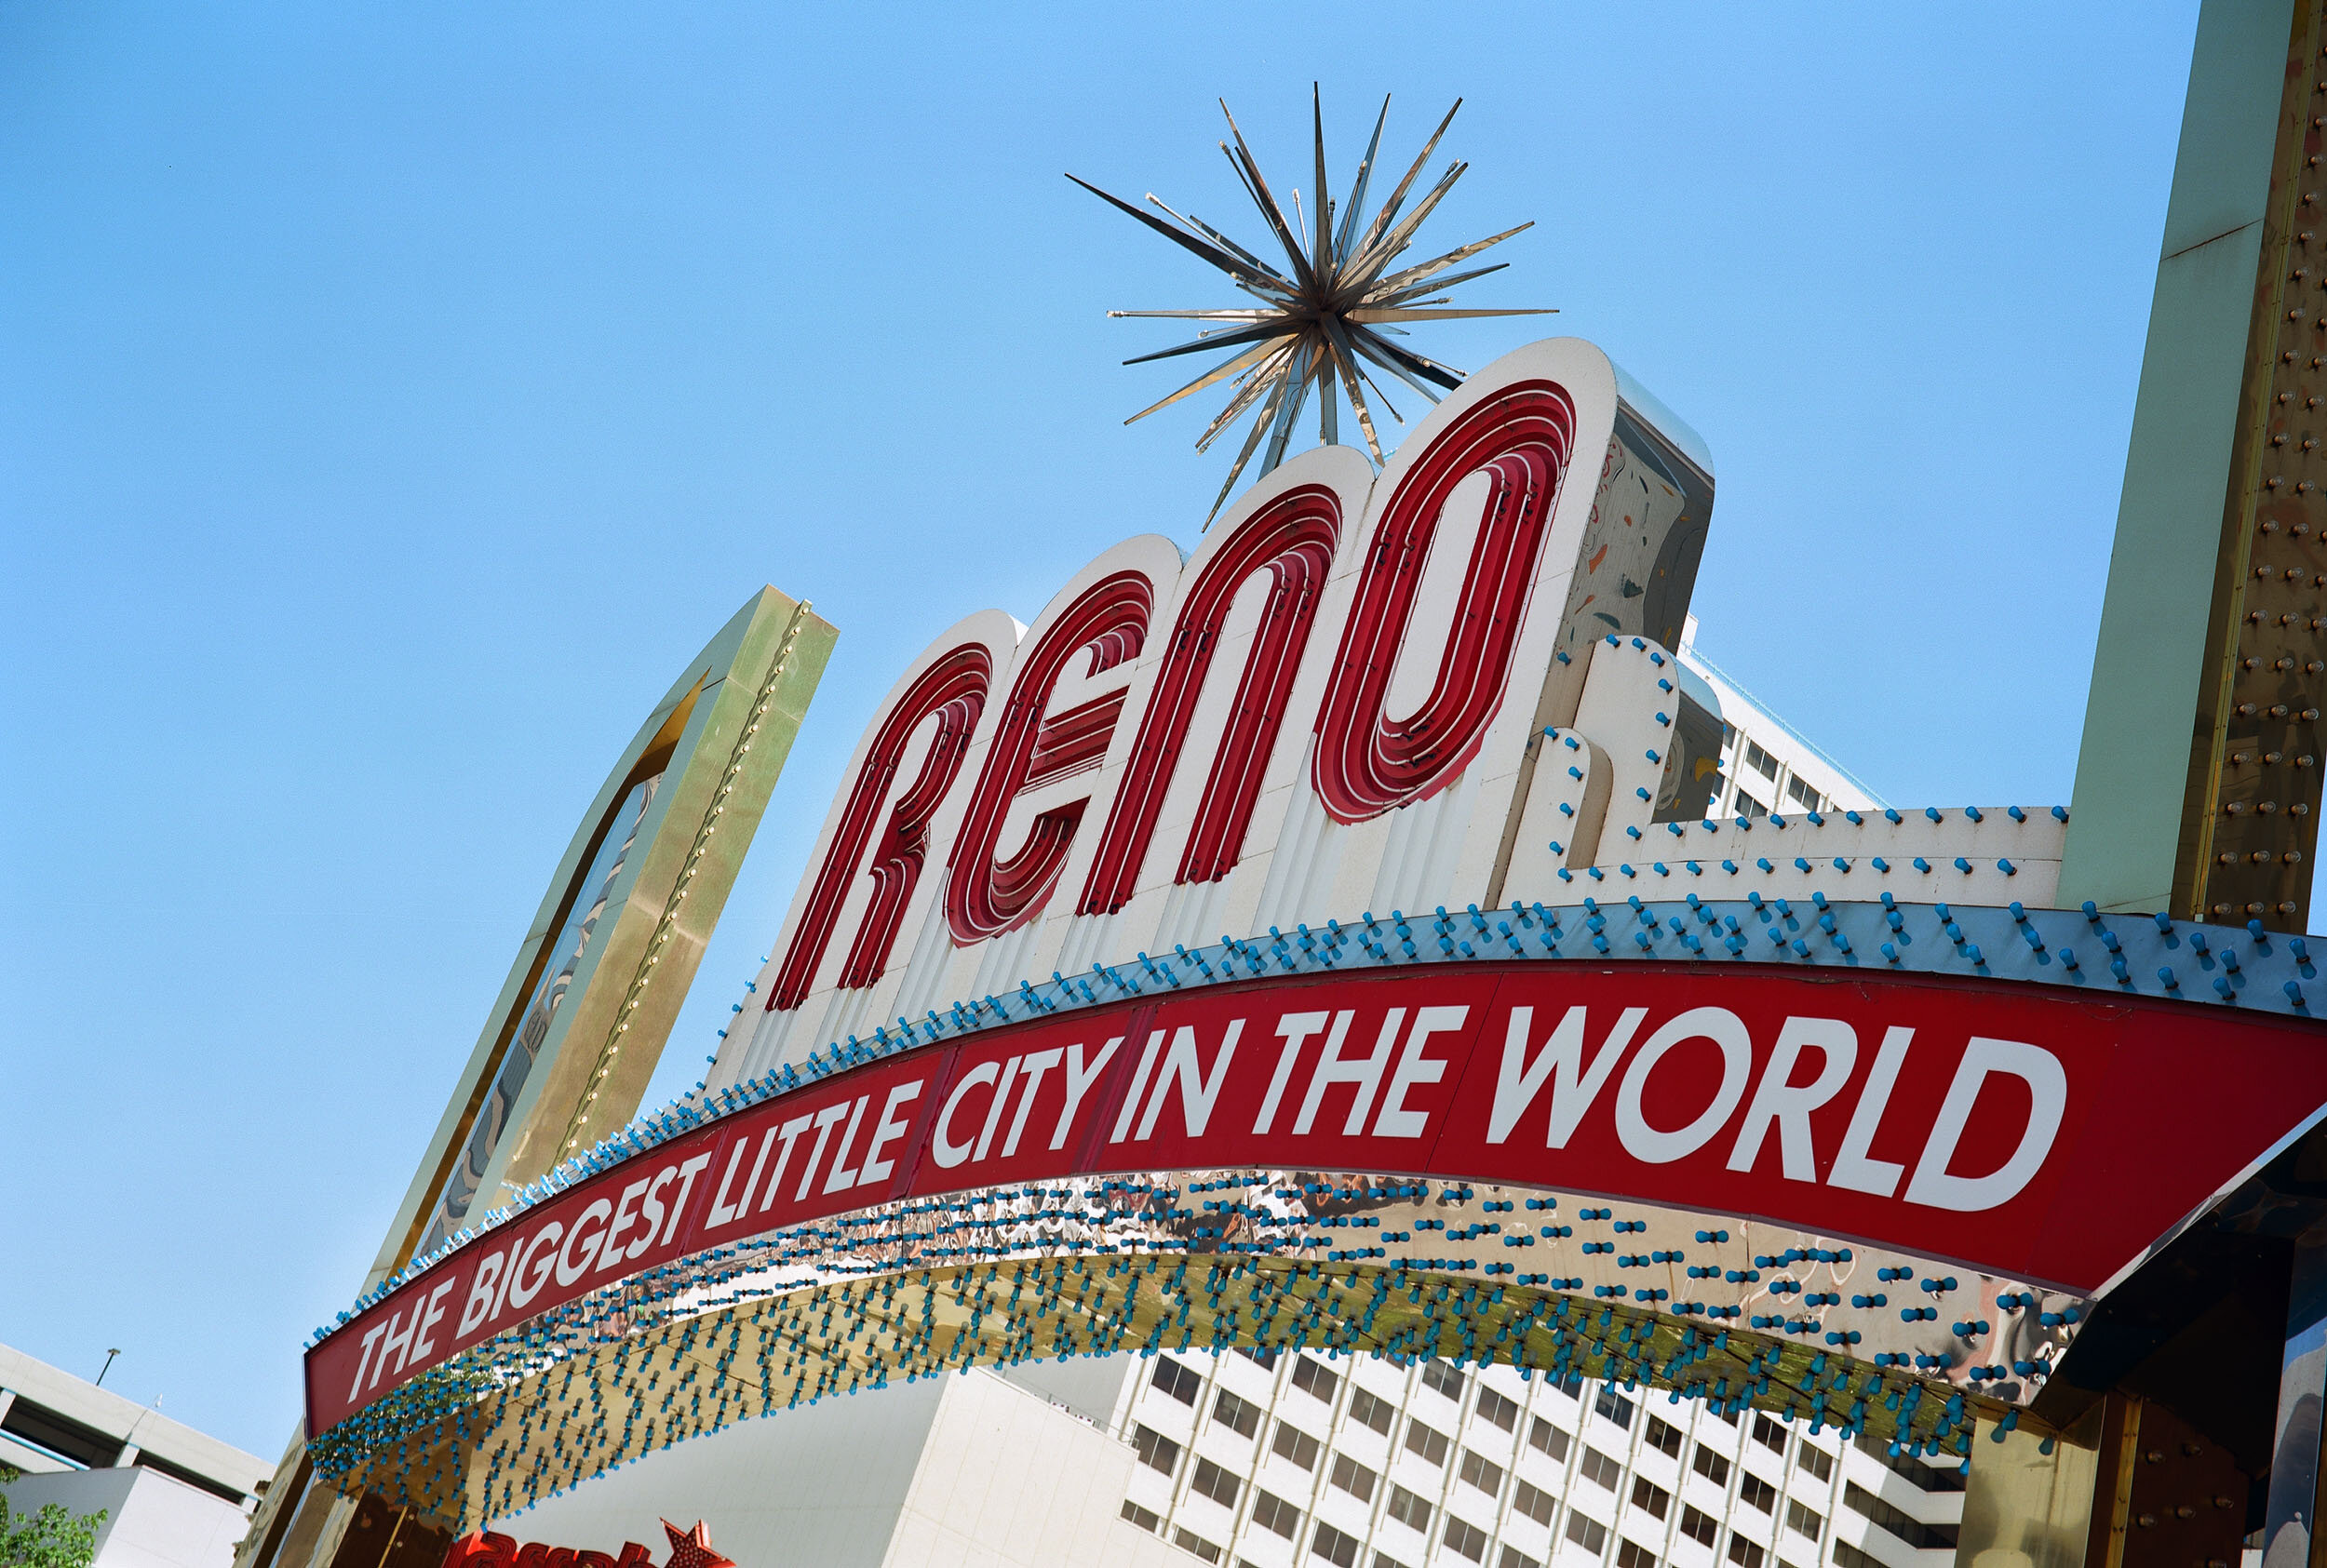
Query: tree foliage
point(54, 1537)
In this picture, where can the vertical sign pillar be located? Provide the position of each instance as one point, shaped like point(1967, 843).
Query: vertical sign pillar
point(570, 1044)
point(2198, 782)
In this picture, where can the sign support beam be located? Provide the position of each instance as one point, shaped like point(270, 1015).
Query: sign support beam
point(2199, 778)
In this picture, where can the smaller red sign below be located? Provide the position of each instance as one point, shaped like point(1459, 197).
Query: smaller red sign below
point(688, 1549)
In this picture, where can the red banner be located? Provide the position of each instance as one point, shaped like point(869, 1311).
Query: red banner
point(2011, 1129)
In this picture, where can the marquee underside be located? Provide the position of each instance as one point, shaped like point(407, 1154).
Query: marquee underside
point(1761, 1173)
point(512, 1423)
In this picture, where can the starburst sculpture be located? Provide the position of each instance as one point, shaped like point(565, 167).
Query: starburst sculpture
point(1325, 320)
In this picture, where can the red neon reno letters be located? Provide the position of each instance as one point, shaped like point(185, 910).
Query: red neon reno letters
point(1292, 540)
point(1227, 800)
point(986, 897)
point(953, 692)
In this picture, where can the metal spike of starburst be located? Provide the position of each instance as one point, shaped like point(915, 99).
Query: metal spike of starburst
point(1326, 319)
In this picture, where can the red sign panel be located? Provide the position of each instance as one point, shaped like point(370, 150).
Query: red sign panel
point(2012, 1128)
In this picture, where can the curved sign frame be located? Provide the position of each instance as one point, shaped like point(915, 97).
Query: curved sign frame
point(2003, 1126)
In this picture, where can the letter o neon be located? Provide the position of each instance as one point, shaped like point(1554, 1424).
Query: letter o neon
point(1653, 1145)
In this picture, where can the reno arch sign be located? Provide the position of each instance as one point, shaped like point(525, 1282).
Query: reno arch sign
point(1339, 703)
point(1335, 704)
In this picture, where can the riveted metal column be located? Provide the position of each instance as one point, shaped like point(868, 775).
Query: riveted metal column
point(2253, 784)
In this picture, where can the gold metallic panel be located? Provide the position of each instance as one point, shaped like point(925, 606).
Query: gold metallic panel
point(571, 1042)
point(2029, 1501)
point(2250, 823)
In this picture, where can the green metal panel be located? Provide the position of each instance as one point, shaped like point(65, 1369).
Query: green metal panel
point(2152, 661)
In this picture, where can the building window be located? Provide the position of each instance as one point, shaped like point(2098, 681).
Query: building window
point(1534, 1502)
point(1241, 1416)
point(1761, 761)
point(1586, 1532)
point(1296, 1445)
point(1803, 1519)
point(1816, 1460)
point(1353, 1477)
point(1482, 1472)
point(1513, 1557)
point(1613, 1405)
point(1711, 1466)
point(1571, 1384)
point(1438, 1375)
point(1550, 1438)
point(1748, 806)
point(1273, 1513)
point(1647, 1496)
point(1599, 1469)
point(1368, 1410)
point(1914, 1471)
point(1802, 794)
point(1428, 1441)
point(1719, 1414)
point(1312, 1376)
point(1906, 1526)
point(1156, 1450)
point(1758, 1494)
point(1664, 1438)
point(1266, 1360)
point(1197, 1544)
point(1334, 1547)
point(1631, 1554)
point(1743, 1553)
point(1176, 1380)
point(1497, 1410)
point(1769, 1433)
point(1383, 1560)
point(1700, 1526)
point(1211, 1481)
point(1847, 1556)
point(1145, 1519)
point(1408, 1508)
point(1466, 1538)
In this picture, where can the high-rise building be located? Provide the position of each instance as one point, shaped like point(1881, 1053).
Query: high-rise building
point(1767, 765)
point(1270, 1461)
point(1278, 1461)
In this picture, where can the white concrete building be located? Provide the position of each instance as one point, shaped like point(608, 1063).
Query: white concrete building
point(1275, 1461)
point(1018, 1468)
point(173, 1497)
point(1765, 764)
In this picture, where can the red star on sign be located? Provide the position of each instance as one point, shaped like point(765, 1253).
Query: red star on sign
point(692, 1549)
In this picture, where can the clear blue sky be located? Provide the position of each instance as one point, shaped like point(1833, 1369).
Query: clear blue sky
point(394, 394)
